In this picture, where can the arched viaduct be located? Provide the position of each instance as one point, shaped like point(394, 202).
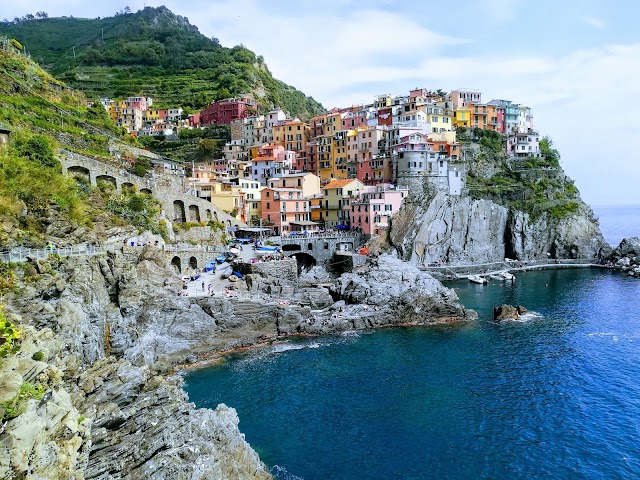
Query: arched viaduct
point(314, 249)
point(177, 206)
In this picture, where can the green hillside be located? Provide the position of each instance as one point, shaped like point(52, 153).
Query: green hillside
point(156, 53)
point(37, 202)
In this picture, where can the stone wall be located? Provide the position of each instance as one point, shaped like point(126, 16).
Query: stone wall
point(276, 277)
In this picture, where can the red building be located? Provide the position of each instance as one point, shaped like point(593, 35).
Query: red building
point(223, 112)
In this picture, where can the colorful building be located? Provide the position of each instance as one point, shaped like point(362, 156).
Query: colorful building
point(223, 112)
point(285, 209)
point(372, 209)
point(272, 161)
point(305, 181)
point(337, 195)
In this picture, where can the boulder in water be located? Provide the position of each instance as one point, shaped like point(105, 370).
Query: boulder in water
point(508, 312)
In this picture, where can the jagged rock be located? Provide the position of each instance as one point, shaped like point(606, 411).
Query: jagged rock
point(623, 262)
point(145, 428)
point(629, 247)
point(10, 382)
point(507, 312)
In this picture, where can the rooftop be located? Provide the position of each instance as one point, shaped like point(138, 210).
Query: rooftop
point(339, 183)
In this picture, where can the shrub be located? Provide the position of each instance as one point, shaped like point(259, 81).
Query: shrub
point(38, 356)
point(9, 334)
point(17, 406)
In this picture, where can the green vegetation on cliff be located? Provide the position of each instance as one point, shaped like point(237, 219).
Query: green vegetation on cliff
point(155, 53)
point(535, 185)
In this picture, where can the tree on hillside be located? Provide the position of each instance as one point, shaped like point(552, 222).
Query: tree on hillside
point(42, 15)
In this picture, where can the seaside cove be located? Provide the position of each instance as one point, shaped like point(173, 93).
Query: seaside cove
point(551, 395)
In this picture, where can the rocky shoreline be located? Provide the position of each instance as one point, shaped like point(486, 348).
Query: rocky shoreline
point(112, 330)
point(625, 257)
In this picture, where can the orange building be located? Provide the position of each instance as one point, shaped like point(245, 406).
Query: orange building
point(285, 209)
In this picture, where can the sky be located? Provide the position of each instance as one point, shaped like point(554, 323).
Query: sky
point(561, 58)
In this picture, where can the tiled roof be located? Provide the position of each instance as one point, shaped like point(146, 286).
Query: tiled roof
point(339, 183)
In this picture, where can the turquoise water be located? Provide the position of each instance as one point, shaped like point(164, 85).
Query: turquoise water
point(617, 223)
point(554, 396)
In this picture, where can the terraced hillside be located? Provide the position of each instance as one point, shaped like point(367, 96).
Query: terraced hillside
point(156, 53)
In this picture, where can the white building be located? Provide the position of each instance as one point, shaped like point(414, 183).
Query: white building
point(415, 160)
point(522, 145)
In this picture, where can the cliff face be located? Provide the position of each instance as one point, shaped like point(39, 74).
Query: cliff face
point(107, 327)
point(466, 230)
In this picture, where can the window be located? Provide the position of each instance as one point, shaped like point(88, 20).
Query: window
point(284, 218)
point(268, 205)
point(268, 194)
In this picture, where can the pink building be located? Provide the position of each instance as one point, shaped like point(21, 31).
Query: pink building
point(194, 120)
point(374, 207)
point(285, 209)
point(137, 102)
point(224, 111)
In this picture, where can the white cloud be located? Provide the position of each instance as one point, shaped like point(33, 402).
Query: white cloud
point(594, 22)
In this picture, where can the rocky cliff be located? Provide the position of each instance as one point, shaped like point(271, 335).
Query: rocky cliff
point(462, 229)
point(111, 328)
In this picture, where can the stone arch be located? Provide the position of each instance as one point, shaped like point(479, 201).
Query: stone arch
point(207, 214)
point(304, 260)
point(81, 174)
point(178, 211)
point(176, 263)
point(291, 247)
point(194, 213)
point(193, 262)
point(128, 186)
point(146, 191)
point(310, 246)
point(107, 180)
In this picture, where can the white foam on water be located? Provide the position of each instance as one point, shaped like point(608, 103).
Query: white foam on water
point(285, 347)
point(282, 473)
point(616, 336)
point(524, 318)
point(350, 333)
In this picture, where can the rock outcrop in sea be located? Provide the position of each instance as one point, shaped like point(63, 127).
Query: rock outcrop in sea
point(625, 256)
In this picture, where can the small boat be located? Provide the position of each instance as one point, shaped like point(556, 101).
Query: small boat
point(496, 277)
point(266, 248)
point(221, 259)
point(477, 279)
point(196, 274)
point(226, 273)
point(507, 276)
point(239, 275)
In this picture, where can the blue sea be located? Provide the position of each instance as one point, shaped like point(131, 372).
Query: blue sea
point(555, 395)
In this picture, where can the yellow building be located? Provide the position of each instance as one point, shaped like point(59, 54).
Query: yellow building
point(462, 117)
point(292, 135)
point(337, 196)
